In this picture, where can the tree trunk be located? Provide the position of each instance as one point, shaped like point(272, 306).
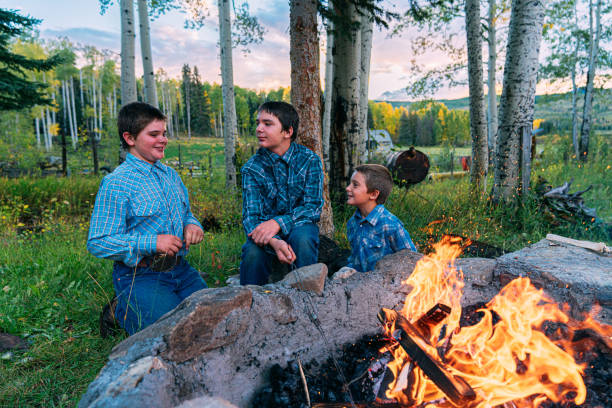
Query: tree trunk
point(329, 78)
point(36, 121)
point(585, 131)
point(230, 126)
point(150, 90)
point(364, 82)
point(492, 106)
point(518, 95)
point(128, 60)
point(306, 89)
point(95, 110)
point(128, 53)
point(478, 123)
point(74, 116)
point(345, 128)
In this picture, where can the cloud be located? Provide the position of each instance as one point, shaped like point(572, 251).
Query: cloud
point(87, 36)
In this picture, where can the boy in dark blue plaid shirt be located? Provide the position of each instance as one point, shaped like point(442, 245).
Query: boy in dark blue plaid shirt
point(142, 221)
point(282, 197)
point(373, 231)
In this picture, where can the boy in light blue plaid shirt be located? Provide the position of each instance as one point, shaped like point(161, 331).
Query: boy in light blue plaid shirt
point(142, 221)
point(373, 231)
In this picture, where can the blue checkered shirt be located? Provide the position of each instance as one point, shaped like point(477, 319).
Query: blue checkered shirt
point(287, 188)
point(379, 234)
point(135, 203)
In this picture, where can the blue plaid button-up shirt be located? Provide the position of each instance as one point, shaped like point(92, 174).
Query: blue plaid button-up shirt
point(135, 203)
point(287, 188)
point(379, 234)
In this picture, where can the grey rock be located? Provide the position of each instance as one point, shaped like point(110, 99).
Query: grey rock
point(206, 402)
point(310, 278)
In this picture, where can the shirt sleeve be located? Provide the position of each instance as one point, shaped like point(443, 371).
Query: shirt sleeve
point(313, 199)
point(108, 237)
point(350, 231)
point(252, 202)
point(400, 239)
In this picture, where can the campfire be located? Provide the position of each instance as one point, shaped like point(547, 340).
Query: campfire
point(522, 352)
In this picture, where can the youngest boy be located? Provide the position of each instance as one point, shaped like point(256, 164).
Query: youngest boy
point(372, 231)
point(142, 221)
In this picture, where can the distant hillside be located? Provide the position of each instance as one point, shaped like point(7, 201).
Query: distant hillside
point(549, 106)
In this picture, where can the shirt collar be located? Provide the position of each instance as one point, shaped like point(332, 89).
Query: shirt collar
point(285, 157)
point(372, 217)
point(141, 165)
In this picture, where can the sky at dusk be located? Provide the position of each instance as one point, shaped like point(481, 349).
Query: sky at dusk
point(266, 66)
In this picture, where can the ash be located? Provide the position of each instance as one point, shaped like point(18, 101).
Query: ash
point(285, 387)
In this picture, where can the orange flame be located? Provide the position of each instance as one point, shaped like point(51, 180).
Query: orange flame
point(508, 361)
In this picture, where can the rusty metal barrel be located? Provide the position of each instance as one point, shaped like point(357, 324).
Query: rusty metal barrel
point(408, 167)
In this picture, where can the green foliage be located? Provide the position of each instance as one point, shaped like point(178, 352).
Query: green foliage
point(17, 90)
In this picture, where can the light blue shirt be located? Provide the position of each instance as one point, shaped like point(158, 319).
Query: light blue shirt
point(372, 237)
point(135, 203)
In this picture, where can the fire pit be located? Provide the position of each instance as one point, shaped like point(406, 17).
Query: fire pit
point(231, 342)
point(504, 358)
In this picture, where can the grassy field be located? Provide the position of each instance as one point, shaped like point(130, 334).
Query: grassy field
point(52, 290)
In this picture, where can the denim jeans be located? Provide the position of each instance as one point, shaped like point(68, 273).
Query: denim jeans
point(256, 260)
point(145, 295)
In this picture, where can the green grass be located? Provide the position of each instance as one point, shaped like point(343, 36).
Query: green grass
point(52, 290)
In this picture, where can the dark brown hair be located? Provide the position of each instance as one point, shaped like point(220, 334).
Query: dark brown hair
point(377, 177)
point(286, 114)
point(134, 117)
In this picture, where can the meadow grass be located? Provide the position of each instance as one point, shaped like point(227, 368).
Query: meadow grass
point(52, 290)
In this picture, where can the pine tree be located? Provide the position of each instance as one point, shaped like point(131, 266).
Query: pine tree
point(16, 90)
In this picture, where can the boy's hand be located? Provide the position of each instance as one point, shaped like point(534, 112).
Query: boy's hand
point(193, 235)
point(283, 250)
point(263, 233)
point(168, 244)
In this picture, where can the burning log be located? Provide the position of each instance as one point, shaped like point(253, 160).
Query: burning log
point(412, 341)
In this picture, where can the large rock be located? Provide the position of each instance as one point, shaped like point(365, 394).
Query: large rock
point(221, 342)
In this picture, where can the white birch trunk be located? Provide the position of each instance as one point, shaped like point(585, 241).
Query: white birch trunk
point(187, 82)
point(585, 131)
point(81, 89)
point(95, 110)
point(364, 82)
point(48, 139)
point(492, 105)
point(575, 142)
point(74, 115)
point(329, 77)
point(37, 132)
point(150, 92)
point(518, 95)
point(128, 53)
point(100, 99)
point(230, 128)
point(346, 129)
point(53, 116)
point(478, 122)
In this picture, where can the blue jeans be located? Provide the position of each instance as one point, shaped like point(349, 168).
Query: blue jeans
point(255, 263)
point(145, 295)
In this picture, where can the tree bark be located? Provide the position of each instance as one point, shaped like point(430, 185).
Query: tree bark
point(230, 126)
point(492, 106)
point(345, 128)
point(327, 95)
point(128, 54)
point(364, 82)
point(595, 35)
point(306, 89)
point(150, 90)
point(518, 95)
point(478, 123)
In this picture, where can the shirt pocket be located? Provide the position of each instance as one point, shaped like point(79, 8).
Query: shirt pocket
point(144, 208)
point(374, 245)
